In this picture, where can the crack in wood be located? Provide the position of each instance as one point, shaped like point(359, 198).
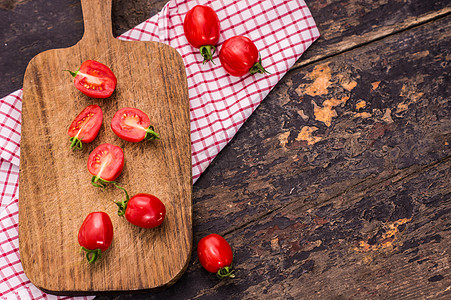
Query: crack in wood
point(352, 188)
point(418, 23)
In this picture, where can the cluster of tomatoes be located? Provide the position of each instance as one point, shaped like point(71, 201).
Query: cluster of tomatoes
point(238, 54)
point(106, 162)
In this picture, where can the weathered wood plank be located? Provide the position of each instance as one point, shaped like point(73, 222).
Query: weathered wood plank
point(359, 117)
point(28, 28)
point(343, 25)
point(390, 241)
point(357, 209)
point(347, 24)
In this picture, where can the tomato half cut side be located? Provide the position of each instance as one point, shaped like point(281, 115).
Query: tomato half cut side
point(133, 125)
point(85, 127)
point(95, 235)
point(94, 79)
point(105, 163)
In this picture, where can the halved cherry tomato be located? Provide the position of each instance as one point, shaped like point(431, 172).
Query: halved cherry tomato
point(95, 235)
point(133, 125)
point(239, 56)
point(85, 127)
point(105, 163)
point(143, 210)
point(94, 79)
point(201, 27)
point(216, 255)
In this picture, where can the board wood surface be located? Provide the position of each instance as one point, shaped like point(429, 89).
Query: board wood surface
point(55, 190)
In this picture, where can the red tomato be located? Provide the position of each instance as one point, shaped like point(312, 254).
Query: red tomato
point(85, 127)
point(215, 255)
point(95, 235)
point(201, 27)
point(133, 125)
point(144, 210)
point(105, 163)
point(239, 56)
point(94, 79)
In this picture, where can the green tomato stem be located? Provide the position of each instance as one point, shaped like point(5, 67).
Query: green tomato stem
point(122, 205)
point(207, 52)
point(74, 74)
point(92, 255)
point(151, 134)
point(75, 143)
point(258, 68)
point(225, 272)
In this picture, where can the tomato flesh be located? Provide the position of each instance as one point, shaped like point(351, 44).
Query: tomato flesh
point(131, 124)
point(86, 125)
point(215, 254)
point(239, 56)
point(95, 80)
point(106, 162)
point(201, 28)
point(145, 210)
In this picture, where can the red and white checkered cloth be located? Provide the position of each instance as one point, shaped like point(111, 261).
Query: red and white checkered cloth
point(219, 103)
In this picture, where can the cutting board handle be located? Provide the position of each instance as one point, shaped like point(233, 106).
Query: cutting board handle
point(97, 20)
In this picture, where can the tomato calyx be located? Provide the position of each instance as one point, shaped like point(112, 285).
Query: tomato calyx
point(258, 68)
point(151, 134)
point(91, 255)
point(225, 272)
point(74, 74)
point(122, 205)
point(75, 143)
point(207, 52)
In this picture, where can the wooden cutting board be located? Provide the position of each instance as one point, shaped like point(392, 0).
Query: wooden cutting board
point(55, 190)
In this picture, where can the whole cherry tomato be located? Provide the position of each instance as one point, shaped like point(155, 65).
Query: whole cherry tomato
point(215, 255)
point(239, 56)
point(94, 79)
point(105, 163)
point(95, 235)
point(133, 125)
point(143, 210)
point(85, 127)
point(201, 27)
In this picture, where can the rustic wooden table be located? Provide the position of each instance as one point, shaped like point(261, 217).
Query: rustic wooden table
point(338, 186)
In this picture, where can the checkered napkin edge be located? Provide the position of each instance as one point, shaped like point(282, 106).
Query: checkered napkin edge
point(219, 103)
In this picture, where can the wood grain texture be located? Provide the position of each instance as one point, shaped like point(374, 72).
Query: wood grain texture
point(346, 24)
point(318, 214)
point(55, 190)
point(355, 210)
point(328, 126)
point(343, 24)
